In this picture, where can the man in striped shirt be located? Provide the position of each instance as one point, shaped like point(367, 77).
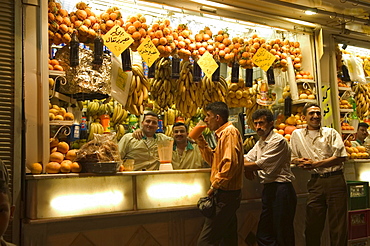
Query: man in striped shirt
point(226, 176)
point(270, 157)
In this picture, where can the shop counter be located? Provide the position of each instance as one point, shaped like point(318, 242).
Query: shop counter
point(67, 195)
point(357, 169)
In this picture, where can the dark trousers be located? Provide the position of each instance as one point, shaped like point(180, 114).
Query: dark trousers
point(327, 196)
point(275, 227)
point(222, 228)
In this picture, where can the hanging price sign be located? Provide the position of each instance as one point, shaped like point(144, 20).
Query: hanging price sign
point(263, 59)
point(117, 40)
point(207, 64)
point(148, 51)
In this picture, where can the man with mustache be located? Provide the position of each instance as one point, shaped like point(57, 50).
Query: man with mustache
point(321, 151)
point(270, 157)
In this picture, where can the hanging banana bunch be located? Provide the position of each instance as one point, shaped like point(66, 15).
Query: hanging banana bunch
point(214, 91)
point(189, 94)
point(162, 86)
point(139, 89)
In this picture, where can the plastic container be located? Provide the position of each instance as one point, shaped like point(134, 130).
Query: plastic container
point(165, 148)
point(198, 129)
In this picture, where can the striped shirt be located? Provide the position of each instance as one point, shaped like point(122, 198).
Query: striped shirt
point(226, 159)
point(318, 145)
point(273, 157)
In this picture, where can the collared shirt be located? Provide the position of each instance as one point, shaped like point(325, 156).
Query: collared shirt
point(191, 158)
point(356, 143)
point(143, 151)
point(226, 159)
point(273, 157)
point(318, 145)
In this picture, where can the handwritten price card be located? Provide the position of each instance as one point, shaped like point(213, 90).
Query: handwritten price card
point(148, 51)
point(121, 79)
point(117, 40)
point(263, 59)
point(207, 64)
point(367, 67)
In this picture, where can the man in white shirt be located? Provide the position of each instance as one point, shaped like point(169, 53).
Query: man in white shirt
point(321, 151)
point(271, 158)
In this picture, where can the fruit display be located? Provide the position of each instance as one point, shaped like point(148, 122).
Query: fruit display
point(344, 104)
point(59, 113)
point(184, 40)
point(222, 49)
point(239, 95)
point(305, 91)
point(358, 152)
point(60, 25)
point(303, 75)
point(62, 158)
point(189, 95)
point(362, 98)
point(54, 64)
point(139, 89)
point(214, 91)
point(162, 86)
point(346, 126)
point(203, 43)
point(137, 27)
point(161, 35)
point(108, 19)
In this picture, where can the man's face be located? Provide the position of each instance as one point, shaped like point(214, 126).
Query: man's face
point(179, 134)
point(263, 127)
point(362, 133)
point(149, 125)
point(313, 118)
point(6, 212)
point(212, 121)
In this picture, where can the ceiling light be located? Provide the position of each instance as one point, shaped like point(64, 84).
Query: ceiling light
point(210, 3)
point(310, 11)
point(300, 22)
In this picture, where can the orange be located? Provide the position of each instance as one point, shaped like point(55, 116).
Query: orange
point(76, 167)
point(65, 166)
point(71, 154)
point(63, 147)
point(56, 157)
point(52, 167)
point(36, 168)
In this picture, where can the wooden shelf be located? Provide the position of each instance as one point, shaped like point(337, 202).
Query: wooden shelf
point(346, 110)
point(61, 122)
point(299, 101)
point(56, 73)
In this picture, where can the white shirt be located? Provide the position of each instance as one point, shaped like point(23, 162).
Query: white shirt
point(318, 145)
point(273, 157)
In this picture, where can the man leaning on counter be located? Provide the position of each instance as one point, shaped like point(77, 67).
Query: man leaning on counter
point(142, 146)
point(143, 150)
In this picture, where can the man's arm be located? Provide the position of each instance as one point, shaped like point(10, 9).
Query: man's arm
point(329, 162)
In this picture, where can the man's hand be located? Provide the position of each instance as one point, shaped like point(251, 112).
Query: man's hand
point(201, 142)
point(304, 163)
point(249, 174)
point(138, 134)
point(210, 192)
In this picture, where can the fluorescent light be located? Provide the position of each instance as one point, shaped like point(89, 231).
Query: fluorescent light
point(210, 3)
point(311, 12)
point(173, 190)
point(80, 202)
point(300, 22)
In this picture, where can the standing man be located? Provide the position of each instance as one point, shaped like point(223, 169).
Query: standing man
point(145, 149)
point(270, 157)
point(321, 151)
point(185, 155)
point(361, 134)
point(226, 176)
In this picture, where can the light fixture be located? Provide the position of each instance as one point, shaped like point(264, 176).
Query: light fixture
point(311, 11)
point(210, 3)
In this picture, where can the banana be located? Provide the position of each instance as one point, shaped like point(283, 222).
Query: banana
point(138, 94)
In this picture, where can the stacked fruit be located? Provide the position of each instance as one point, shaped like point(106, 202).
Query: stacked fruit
point(60, 26)
point(61, 158)
point(118, 120)
point(162, 85)
point(222, 49)
point(108, 19)
point(239, 95)
point(59, 113)
point(296, 55)
point(203, 43)
point(358, 152)
point(303, 75)
point(138, 94)
point(85, 22)
point(161, 34)
point(288, 127)
point(344, 104)
point(346, 126)
point(137, 27)
point(184, 40)
point(280, 50)
point(54, 65)
point(305, 92)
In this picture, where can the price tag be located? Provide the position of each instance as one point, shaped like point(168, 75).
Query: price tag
point(148, 51)
point(121, 79)
point(367, 67)
point(263, 59)
point(207, 64)
point(117, 40)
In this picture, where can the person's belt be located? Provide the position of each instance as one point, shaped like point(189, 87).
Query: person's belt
point(326, 175)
